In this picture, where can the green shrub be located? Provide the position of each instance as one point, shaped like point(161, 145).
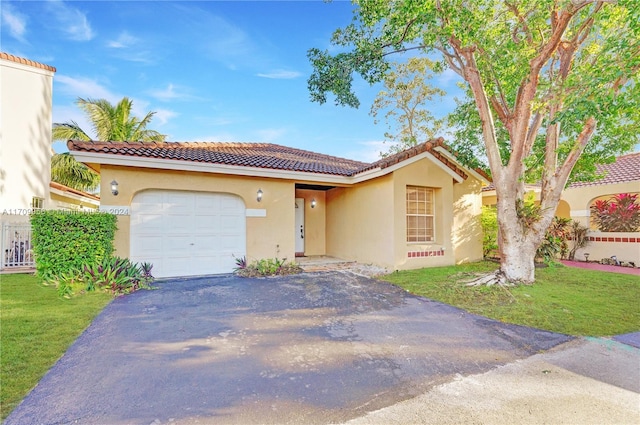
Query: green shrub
point(489, 231)
point(266, 267)
point(555, 240)
point(64, 242)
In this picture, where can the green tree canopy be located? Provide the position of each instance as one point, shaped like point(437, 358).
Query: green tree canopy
point(549, 83)
point(402, 103)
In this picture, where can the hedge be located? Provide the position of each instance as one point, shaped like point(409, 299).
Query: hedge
point(65, 241)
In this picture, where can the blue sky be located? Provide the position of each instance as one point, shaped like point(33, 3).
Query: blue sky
point(212, 70)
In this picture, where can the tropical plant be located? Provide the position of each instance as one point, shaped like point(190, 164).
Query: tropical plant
point(118, 275)
point(109, 123)
point(552, 89)
point(556, 241)
point(241, 263)
point(69, 172)
point(621, 213)
point(266, 267)
point(579, 237)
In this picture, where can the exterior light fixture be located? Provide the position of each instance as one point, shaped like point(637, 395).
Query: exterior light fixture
point(114, 188)
point(259, 197)
point(586, 257)
point(313, 203)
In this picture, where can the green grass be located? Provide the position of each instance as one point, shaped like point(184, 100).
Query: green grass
point(563, 299)
point(36, 328)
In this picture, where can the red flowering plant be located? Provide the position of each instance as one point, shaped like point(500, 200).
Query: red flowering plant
point(621, 213)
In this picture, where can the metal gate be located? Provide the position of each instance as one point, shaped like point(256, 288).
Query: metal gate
point(16, 247)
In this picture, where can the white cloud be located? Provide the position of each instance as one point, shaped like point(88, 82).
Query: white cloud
point(124, 40)
point(70, 20)
point(14, 21)
point(162, 116)
point(85, 88)
point(172, 92)
point(130, 48)
point(280, 74)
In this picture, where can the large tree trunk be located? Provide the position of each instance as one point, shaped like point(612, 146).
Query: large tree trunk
point(517, 257)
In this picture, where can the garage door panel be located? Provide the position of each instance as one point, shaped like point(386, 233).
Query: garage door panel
point(206, 223)
point(228, 243)
point(206, 202)
point(187, 233)
point(147, 244)
point(178, 223)
point(231, 224)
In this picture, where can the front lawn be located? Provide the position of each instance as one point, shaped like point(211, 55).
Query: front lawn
point(563, 299)
point(37, 327)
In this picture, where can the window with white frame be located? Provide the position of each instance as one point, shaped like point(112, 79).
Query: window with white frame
point(420, 218)
point(37, 203)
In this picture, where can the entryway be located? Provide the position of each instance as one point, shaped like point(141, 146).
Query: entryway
point(299, 229)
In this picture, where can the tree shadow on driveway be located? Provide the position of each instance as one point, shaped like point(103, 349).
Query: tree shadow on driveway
point(311, 348)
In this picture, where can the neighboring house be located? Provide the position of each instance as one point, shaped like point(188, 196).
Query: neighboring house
point(69, 199)
point(25, 157)
point(192, 208)
point(621, 176)
point(25, 140)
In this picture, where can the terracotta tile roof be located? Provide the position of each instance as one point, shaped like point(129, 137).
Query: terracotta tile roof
point(260, 155)
point(417, 150)
point(68, 189)
point(626, 168)
point(12, 58)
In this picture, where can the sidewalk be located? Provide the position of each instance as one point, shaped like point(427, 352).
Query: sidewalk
point(586, 381)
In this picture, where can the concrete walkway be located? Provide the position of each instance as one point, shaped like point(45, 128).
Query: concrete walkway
point(602, 267)
point(587, 381)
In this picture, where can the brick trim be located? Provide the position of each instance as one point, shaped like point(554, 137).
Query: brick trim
point(613, 239)
point(420, 254)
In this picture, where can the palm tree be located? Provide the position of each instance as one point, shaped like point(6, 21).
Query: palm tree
point(110, 123)
point(69, 172)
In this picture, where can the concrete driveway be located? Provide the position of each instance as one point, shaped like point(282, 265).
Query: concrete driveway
point(311, 348)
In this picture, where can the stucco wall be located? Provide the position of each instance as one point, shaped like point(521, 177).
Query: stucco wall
point(267, 237)
point(624, 245)
point(467, 228)
point(25, 136)
point(359, 222)
point(409, 255)
point(367, 222)
point(581, 198)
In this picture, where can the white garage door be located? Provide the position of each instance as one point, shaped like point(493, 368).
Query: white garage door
point(187, 233)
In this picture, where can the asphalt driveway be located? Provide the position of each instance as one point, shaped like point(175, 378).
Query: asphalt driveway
point(311, 348)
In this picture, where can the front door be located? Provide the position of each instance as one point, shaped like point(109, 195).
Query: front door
point(299, 230)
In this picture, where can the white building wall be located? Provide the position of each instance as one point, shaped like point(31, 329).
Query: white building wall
point(25, 134)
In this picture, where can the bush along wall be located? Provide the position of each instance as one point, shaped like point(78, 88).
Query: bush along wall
point(66, 241)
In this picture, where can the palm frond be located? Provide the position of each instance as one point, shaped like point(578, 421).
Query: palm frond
point(69, 172)
point(68, 131)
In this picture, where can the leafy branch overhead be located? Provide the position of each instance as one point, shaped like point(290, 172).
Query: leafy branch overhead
point(552, 89)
